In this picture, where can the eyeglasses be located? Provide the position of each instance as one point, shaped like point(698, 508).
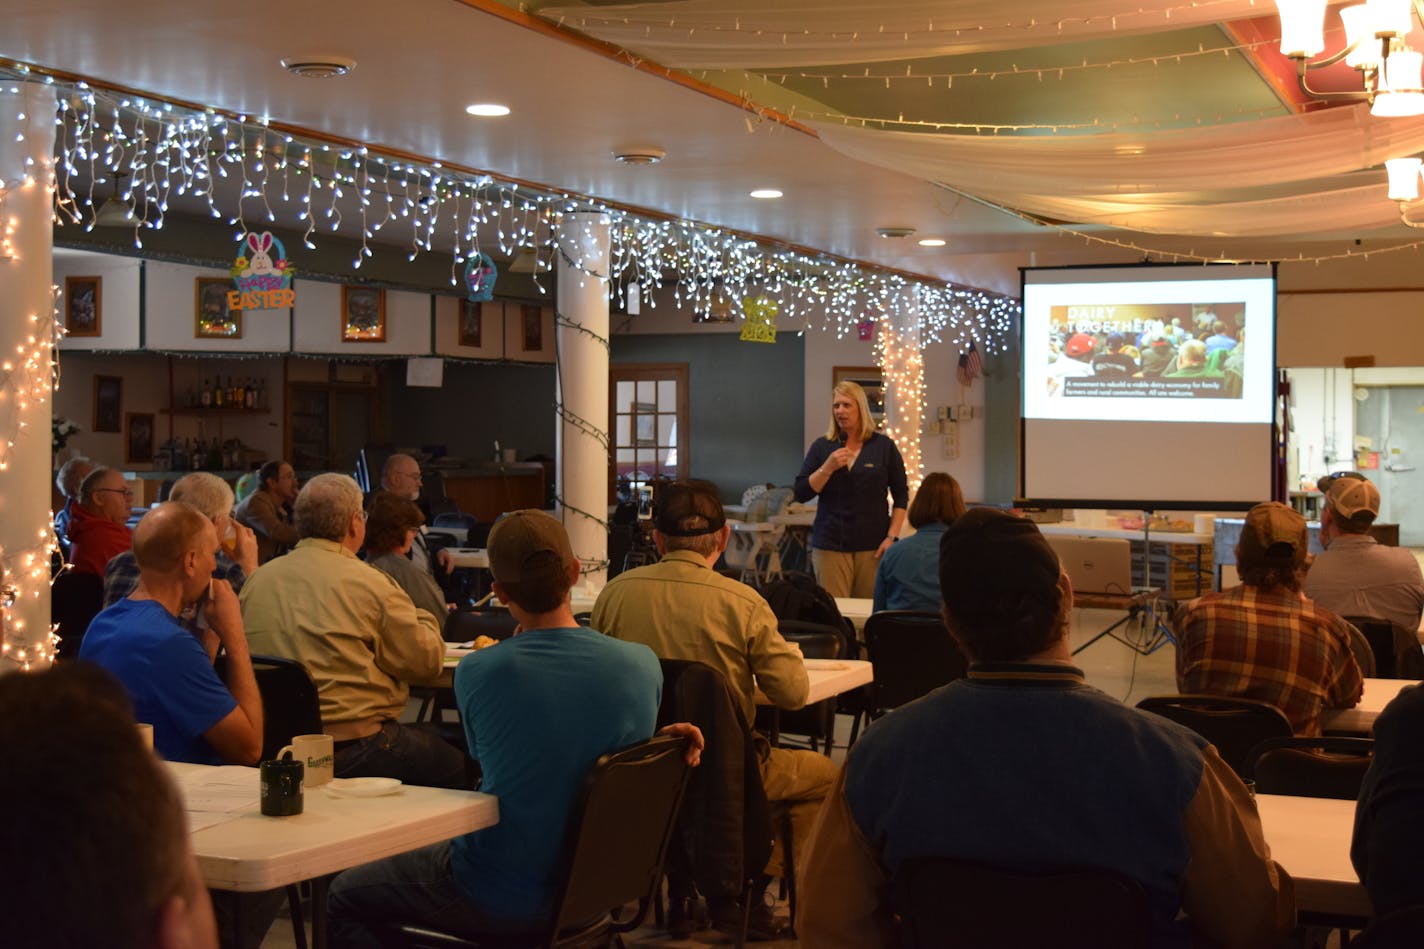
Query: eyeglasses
point(126, 492)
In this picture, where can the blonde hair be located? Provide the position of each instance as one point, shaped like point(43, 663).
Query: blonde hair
point(857, 394)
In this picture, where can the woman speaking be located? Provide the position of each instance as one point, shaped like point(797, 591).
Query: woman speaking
point(851, 468)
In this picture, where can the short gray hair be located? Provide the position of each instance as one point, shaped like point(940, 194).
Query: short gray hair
point(71, 474)
point(91, 483)
point(204, 490)
point(326, 505)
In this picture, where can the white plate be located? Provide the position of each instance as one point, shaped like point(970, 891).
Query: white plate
point(364, 787)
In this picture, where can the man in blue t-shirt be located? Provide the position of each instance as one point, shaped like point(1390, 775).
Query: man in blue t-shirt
point(168, 672)
point(538, 710)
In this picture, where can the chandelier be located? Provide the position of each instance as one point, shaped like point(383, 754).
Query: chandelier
point(1375, 45)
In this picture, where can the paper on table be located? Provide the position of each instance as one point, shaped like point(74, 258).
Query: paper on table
point(214, 795)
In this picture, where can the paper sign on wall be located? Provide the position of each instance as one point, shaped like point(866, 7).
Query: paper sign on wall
point(760, 325)
point(263, 275)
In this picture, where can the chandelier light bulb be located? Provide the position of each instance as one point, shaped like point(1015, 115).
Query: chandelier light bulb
point(1302, 27)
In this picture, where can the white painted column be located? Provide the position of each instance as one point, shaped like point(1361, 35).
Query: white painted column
point(581, 259)
point(26, 311)
point(902, 365)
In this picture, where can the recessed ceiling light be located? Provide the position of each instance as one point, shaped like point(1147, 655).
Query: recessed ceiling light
point(894, 232)
point(933, 242)
point(318, 67)
point(488, 109)
point(766, 193)
point(644, 155)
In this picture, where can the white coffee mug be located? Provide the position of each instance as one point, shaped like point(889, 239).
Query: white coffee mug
point(145, 735)
point(318, 753)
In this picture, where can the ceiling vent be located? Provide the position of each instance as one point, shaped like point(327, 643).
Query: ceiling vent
point(318, 67)
point(895, 232)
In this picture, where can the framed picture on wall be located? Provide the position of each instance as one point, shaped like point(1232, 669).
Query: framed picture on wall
point(471, 323)
point(108, 403)
point(138, 437)
point(83, 311)
point(212, 317)
point(363, 314)
point(871, 380)
point(532, 320)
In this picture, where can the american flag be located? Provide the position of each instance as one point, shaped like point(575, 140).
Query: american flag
point(970, 365)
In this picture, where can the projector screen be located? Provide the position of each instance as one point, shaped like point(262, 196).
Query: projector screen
point(1148, 386)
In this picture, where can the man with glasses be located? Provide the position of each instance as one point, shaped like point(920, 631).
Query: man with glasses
point(401, 476)
point(268, 510)
point(98, 527)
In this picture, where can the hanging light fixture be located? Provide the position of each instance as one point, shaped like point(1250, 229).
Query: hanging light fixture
point(1404, 176)
point(115, 211)
point(1375, 46)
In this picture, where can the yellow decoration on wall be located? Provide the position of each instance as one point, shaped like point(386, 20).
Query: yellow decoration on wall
point(760, 325)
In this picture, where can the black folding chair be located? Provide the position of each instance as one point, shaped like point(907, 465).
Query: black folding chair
point(618, 838)
point(75, 599)
point(944, 902)
point(1379, 633)
point(290, 707)
point(1310, 767)
point(816, 722)
point(1235, 726)
point(912, 654)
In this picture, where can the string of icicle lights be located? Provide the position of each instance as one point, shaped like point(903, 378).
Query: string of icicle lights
point(150, 152)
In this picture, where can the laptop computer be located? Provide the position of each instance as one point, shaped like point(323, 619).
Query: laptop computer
point(1095, 564)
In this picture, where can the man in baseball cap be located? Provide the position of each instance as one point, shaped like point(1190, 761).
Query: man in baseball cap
point(1356, 576)
point(962, 772)
point(1263, 639)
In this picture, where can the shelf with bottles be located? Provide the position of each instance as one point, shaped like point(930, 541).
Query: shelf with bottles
point(225, 396)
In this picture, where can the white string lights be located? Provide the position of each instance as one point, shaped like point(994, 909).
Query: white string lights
point(162, 151)
point(900, 355)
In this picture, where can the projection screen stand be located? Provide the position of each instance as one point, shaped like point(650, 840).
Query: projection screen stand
point(1141, 607)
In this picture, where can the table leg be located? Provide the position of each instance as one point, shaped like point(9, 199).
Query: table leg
point(319, 886)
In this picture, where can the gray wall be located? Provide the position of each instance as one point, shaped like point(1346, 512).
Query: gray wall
point(745, 405)
point(479, 404)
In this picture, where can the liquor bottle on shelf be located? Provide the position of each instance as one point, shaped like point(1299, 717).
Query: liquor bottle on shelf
point(217, 392)
point(207, 397)
point(251, 400)
point(239, 396)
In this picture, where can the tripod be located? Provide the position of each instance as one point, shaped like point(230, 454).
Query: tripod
point(1142, 608)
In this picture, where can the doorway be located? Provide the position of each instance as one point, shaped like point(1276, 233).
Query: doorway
point(1389, 425)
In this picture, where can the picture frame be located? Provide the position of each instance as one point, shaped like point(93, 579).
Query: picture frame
point(869, 378)
point(645, 424)
point(532, 322)
point(83, 306)
point(471, 323)
point(108, 403)
point(212, 317)
point(138, 437)
point(363, 314)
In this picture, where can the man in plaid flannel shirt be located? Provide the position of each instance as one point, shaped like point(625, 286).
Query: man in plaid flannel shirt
point(1264, 639)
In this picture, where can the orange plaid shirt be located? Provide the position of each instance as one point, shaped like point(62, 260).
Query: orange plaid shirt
point(1274, 646)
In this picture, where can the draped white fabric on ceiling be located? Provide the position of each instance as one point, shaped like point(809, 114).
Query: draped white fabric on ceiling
point(757, 34)
point(1280, 176)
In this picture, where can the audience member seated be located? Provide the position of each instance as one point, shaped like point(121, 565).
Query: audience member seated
point(400, 475)
point(237, 545)
point(95, 850)
point(1024, 765)
point(167, 671)
point(71, 475)
point(98, 525)
point(1356, 575)
point(359, 636)
point(1264, 639)
point(538, 710)
point(1191, 363)
point(908, 575)
point(684, 609)
point(268, 510)
point(392, 525)
point(1389, 834)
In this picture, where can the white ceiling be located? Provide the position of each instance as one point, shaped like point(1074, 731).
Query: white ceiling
point(420, 62)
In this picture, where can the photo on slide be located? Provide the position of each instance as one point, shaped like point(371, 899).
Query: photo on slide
point(1146, 350)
